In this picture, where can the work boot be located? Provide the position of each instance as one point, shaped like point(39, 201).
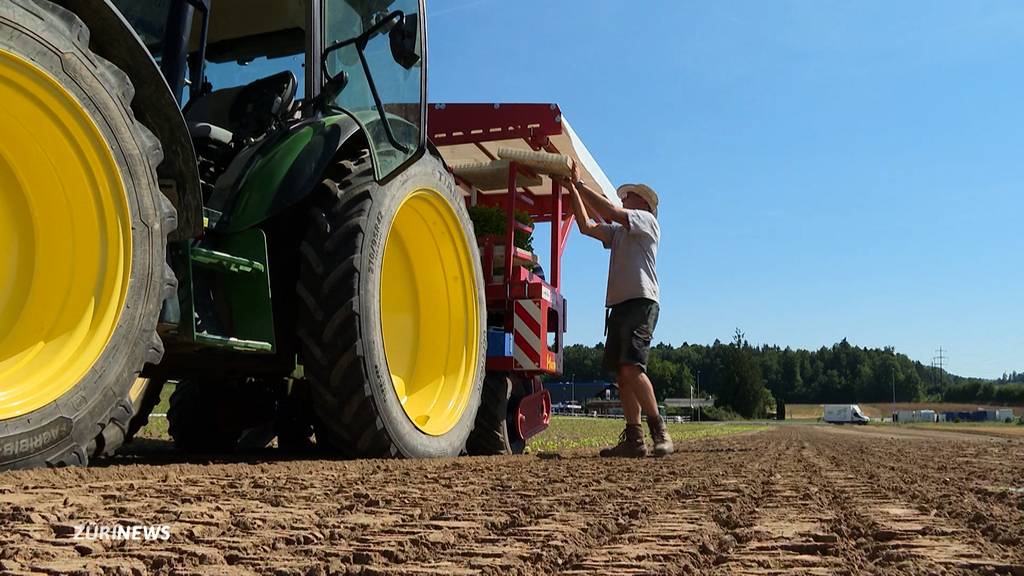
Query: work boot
point(659, 434)
point(631, 444)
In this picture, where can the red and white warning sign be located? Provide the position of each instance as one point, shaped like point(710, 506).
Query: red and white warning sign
point(529, 329)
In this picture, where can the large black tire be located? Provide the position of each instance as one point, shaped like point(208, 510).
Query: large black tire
point(339, 323)
point(211, 417)
point(495, 433)
point(91, 418)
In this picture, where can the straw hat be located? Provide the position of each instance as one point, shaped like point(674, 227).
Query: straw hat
point(642, 190)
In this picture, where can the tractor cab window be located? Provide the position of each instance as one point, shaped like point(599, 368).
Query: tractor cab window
point(249, 41)
point(232, 74)
point(374, 65)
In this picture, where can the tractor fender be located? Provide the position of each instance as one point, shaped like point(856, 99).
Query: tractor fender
point(154, 105)
point(285, 170)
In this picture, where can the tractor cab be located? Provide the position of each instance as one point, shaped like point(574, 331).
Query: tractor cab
point(272, 94)
point(247, 71)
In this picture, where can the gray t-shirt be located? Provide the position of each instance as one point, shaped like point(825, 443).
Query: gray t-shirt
point(631, 268)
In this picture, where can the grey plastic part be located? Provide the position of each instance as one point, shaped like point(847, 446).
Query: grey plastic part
point(202, 130)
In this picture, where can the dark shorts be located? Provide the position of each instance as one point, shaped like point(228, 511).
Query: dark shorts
point(630, 326)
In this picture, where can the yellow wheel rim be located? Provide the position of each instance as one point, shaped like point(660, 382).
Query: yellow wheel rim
point(65, 239)
point(429, 312)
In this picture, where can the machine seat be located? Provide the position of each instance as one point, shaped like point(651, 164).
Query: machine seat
point(242, 112)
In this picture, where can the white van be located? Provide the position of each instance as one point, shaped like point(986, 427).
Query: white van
point(844, 414)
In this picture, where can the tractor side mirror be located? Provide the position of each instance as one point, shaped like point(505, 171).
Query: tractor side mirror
point(404, 45)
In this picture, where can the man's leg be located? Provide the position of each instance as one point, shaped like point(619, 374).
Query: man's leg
point(643, 394)
point(641, 391)
point(631, 443)
point(643, 317)
point(627, 396)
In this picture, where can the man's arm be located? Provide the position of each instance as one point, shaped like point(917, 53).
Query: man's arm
point(587, 226)
point(597, 202)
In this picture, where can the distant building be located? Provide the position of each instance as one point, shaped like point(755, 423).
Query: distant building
point(688, 403)
point(606, 401)
point(563, 392)
point(594, 397)
point(688, 406)
point(978, 415)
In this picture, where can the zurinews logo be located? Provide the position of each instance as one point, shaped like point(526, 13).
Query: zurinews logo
point(137, 533)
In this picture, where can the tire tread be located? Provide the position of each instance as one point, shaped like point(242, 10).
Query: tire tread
point(329, 312)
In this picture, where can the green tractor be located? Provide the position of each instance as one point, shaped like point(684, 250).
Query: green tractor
point(238, 196)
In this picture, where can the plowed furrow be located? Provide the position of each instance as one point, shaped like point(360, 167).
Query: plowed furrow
point(790, 531)
point(895, 534)
point(680, 536)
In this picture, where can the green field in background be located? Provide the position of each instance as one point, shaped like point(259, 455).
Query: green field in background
point(567, 433)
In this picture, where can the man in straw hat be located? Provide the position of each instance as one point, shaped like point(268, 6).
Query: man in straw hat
point(631, 232)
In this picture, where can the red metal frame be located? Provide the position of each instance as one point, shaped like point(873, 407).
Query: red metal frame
point(450, 124)
point(454, 124)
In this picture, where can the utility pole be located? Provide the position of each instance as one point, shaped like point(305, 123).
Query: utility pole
point(698, 396)
point(691, 403)
point(892, 382)
point(940, 363)
point(574, 388)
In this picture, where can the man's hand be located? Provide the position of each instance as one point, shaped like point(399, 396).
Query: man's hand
point(597, 203)
point(569, 182)
point(591, 201)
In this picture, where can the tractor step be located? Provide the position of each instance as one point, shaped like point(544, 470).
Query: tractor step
point(234, 264)
point(234, 343)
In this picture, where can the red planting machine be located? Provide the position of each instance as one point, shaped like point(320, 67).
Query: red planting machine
point(525, 306)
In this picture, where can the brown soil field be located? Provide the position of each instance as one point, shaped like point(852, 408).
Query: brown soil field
point(812, 411)
point(792, 500)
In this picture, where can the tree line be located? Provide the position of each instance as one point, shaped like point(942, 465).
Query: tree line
point(1012, 377)
point(749, 380)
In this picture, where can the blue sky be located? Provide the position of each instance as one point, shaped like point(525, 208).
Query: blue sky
point(826, 169)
